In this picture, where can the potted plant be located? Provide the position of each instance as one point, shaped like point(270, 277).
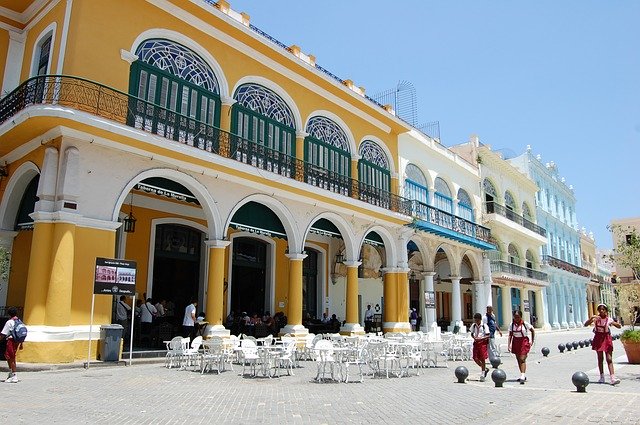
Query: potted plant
point(630, 339)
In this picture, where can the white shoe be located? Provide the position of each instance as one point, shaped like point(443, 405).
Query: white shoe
point(614, 381)
point(601, 380)
point(12, 380)
point(482, 378)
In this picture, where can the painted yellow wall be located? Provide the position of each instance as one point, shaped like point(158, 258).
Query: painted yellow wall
point(19, 268)
point(4, 50)
point(89, 244)
point(55, 15)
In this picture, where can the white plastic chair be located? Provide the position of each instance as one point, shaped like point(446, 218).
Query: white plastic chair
point(212, 355)
point(193, 353)
point(175, 352)
point(325, 358)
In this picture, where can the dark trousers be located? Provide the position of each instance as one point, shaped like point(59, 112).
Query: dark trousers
point(367, 326)
point(188, 331)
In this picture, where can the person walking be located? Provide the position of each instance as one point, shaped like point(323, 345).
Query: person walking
point(12, 346)
point(189, 320)
point(481, 335)
point(368, 319)
point(519, 342)
point(602, 342)
point(490, 320)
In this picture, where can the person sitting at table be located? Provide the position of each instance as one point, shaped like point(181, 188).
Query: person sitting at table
point(325, 318)
point(334, 323)
point(256, 320)
point(268, 321)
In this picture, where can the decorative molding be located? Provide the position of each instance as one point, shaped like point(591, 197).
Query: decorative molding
point(127, 56)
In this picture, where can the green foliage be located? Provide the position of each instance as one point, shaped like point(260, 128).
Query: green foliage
point(630, 335)
point(627, 252)
point(5, 263)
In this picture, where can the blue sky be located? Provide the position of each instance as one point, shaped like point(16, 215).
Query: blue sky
point(561, 76)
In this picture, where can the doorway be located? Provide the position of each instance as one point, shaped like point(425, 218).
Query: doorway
point(310, 285)
point(249, 265)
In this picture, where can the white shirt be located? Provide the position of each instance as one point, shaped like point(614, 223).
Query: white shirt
point(8, 327)
point(146, 312)
point(480, 331)
point(189, 314)
point(521, 330)
point(368, 315)
point(121, 310)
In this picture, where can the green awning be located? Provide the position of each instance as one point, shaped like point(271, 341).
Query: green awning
point(325, 228)
point(257, 218)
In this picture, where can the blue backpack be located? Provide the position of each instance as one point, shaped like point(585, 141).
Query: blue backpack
point(19, 332)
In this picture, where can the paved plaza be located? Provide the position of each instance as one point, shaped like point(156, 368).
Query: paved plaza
point(149, 393)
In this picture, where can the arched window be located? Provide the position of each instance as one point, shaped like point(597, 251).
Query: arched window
point(465, 210)
point(526, 212)
point(327, 148)
point(442, 198)
point(415, 184)
point(509, 202)
point(373, 169)
point(42, 60)
point(262, 117)
point(490, 195)
point(514, 257)
point(179, 93)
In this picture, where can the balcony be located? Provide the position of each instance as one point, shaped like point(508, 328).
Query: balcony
point(495, 208)
point(434, 220)
point(563, 265)
point(97, 99)
point(506, 267)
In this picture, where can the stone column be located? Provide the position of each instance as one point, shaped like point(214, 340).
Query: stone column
point(524, 296)
point(562, 307)
point(571, 313)
point(215, 288)
point(478, 297)
point(403, 301)
point(507, 316)
point(456, 304)
point(390, 313)
point(488, 293)
point(39, 270)
point(225, 125)
point(294, 307)
point(300, 136)
point(428, 313)
point(353, 323)
point(59, 291)
point(540, 305)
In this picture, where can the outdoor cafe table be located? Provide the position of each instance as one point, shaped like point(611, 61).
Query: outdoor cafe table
point(268, 355)
point(340, 355)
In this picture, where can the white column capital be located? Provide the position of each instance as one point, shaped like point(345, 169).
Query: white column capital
point(296, 256)
point(455, 278)
point(352, 263)
point(216, 243)
point(227, 100)
point(128, 56)
point(301, 133)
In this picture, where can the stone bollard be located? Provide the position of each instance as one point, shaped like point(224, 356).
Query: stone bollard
point(561, 347)
point(461, 373)
point(587, 343)
point(545, 351)
point(580, 380)
point(581, 344)
point(575, 345)
point(498, 377)
point(569, 346)
point(495, 361)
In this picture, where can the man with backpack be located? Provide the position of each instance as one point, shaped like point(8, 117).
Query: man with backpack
point(490, 320)
point(14, 332)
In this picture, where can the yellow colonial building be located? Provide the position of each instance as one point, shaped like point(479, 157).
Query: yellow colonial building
point(258, 180)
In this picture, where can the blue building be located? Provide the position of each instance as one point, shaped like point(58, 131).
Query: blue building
point(566, 296)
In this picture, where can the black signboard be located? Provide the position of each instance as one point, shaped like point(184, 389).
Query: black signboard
point(115, 277)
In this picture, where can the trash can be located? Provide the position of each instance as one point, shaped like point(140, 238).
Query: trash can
point(110, 337)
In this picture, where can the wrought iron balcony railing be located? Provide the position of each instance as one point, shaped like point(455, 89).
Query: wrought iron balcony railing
point(433, 215)
point(560, 264)
point(495, 208)
point(103, 101)
point(506, 267)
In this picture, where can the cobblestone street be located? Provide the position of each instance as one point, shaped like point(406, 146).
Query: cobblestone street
point(149, 393)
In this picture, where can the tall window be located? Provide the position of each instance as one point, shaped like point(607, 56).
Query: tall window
point(326, 148)
point(526, 212)
point(373, 167)
point(178, 90)
point(442, 198)
point(43, 55)
point(465, 210)
point(514, 257)
point(261, 116)
point(415, 184)
point(490, 195)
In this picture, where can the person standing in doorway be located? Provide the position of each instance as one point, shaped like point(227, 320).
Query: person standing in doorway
point(519, 342)
point(490, 320)
point(147, 313)
point(189, 321)
point(368, 318)
point(603, 342)
point(123, 314)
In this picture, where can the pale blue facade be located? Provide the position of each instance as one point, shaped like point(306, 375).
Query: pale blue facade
point(566, 296)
